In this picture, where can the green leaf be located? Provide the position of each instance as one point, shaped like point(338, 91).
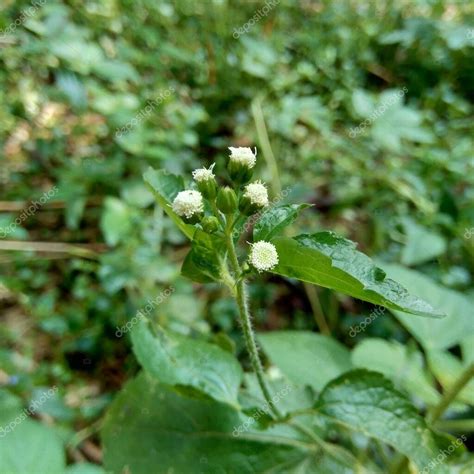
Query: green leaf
point(151, 429)
point(367, 402)
point(178, 361)
point(165, 187)
point(315, 359)
point(403, 366)
point(422, 244)
point(439, 334)
point(203, 263)
point(30, 447)
point(447, 368)
point(331, 261)
point(84, 468)
point(275, 219)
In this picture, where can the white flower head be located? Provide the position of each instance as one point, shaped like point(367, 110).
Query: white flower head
point(263, 256)
point(187, 203)
point(257, 193)
point(243, 155)
point(203, 174)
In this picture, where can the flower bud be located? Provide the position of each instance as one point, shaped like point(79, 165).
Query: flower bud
point(210, 224)
point(241, 163)
point(254, 199)
point(226, 200)
point(206, 181)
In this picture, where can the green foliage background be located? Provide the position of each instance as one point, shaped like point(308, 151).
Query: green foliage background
point(74, 74)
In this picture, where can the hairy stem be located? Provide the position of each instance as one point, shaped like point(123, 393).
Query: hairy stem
point(245, 321)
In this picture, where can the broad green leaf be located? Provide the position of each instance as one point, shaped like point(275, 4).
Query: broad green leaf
point(331, 261)
point(367, 402)
point(165, 187)
point(275, 219)
point(204, 261)
point(403, 366)
point(422, 244)
point(447, 369)
point(30, 447)
point(151, 429)
point(439, 334)
point(178, 361)
point(306, 358)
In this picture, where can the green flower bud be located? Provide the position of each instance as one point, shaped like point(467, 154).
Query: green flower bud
point(226, 200)
point(206, 182)
point(239, 172)
point(246, 207)
point(241, 163)
point(210, 224)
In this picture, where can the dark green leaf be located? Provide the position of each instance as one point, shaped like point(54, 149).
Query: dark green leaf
point(203, 263)
point(275, 219)
point(367, 402)
point(151, 429)
point(178, 361)
point(331, 261)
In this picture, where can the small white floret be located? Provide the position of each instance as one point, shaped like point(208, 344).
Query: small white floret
point(263, 256)
point(203, 174)
point(257, 193)
point(243, 155)
point(188, 203)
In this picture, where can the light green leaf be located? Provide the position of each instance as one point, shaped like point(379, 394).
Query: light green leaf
point(275, 219)
point(30, 447)
point(84, 468)
point(403, 366)
point(367, 402)
point(331, 261)
point(165, 187)
point(151, 429)
point(439, 334)
point(422, 244)
point(203, 263)
point(315, 359)
point(182, 362)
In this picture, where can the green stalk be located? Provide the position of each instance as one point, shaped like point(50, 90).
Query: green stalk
point(452, 393)
point(245, 321)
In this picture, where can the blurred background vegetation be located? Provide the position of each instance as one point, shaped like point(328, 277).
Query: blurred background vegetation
point(76, 79)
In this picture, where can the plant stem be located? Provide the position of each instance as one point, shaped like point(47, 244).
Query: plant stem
point(451, 393)
point(317, 309)
point(241, 298)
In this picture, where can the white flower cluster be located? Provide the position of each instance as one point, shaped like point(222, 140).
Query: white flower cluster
point(243, 155)
point(257, 193)
point(263, 256)
point(188, 203)
point(203, 174)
